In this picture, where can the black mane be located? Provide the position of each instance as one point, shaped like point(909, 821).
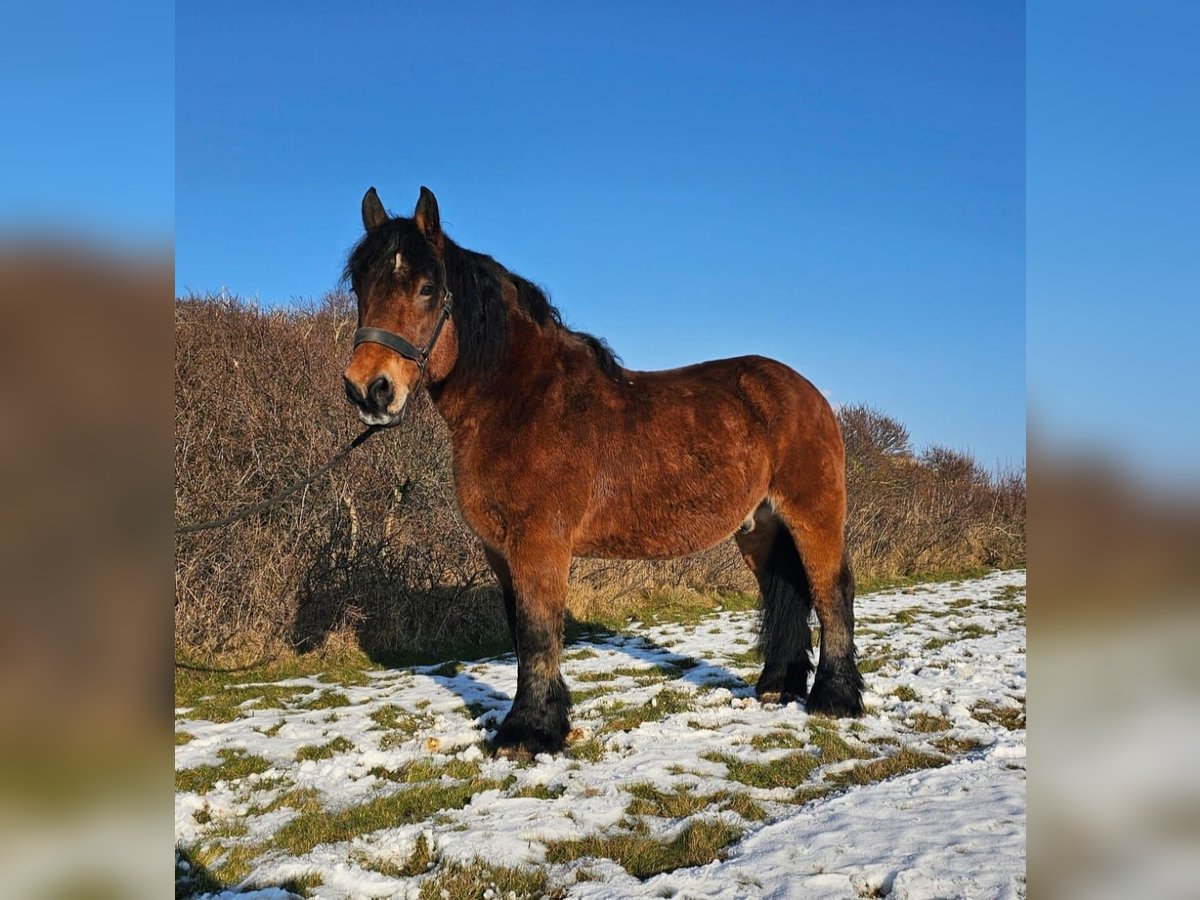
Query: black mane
point(480, 314)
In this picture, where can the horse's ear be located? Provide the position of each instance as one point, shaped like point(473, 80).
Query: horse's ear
point(373, 212)
point(429, 220)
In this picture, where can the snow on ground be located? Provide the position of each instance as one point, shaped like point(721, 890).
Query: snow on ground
point(945, 675)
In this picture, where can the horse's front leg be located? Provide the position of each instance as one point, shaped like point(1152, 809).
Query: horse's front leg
point(539, 719)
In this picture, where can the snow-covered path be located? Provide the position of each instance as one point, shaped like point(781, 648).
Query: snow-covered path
point(922, 797)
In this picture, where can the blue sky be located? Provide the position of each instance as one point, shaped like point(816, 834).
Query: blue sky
point(839, 186)
point(88, 111)
point(1114, 216)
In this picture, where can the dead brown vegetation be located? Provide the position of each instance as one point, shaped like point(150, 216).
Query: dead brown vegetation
point(375, 553)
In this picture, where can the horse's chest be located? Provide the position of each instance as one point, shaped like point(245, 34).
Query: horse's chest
point(503, 498)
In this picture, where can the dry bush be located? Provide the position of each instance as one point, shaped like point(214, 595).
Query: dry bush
point(258, 404)
point(376, 554)
point(939, 511)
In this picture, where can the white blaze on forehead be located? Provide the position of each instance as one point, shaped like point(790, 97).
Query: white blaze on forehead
point(399, 263)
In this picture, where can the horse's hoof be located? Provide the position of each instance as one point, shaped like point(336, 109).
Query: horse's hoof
point(522, 742)
point(838, 702)
point(516, 753)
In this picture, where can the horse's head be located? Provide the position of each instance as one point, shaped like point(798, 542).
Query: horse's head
point(398, 273)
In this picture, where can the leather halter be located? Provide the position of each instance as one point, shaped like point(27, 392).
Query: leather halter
point(397, 344)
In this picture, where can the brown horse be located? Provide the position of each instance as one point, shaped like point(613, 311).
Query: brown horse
point(559, 452)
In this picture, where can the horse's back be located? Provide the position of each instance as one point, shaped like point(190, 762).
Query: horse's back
point(773, 392)
point(685, 455)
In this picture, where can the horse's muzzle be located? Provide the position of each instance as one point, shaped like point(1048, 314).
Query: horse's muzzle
point(375, 402)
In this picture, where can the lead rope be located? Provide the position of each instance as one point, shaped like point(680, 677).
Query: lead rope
point(420, 357)
point(277, 499)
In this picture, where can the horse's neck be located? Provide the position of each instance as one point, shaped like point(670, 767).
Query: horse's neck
point(529, 354)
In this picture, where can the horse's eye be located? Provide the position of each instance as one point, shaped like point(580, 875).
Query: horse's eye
point(427, 290)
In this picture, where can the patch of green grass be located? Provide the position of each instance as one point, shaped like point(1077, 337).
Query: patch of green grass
point(590, 750)
point(730, 684)
point(745, 658)
point(234, 868)
point(927, 724)
point(215, 694)
point(222, 865)
point(690, 607)
point(420, 770)
point(776, 740)
point(581, 696)
point(684, 801)
point(794, 769)
point(585, 653)
point(420, 861)
point(389, 716)
point(592, 677)
point(301, 884)
point(324, 751)
point(399, 724)
point(833, 747)
point(906, 760)
point(971, 630)
point(326, 700)
point(658, 672)
point(680, 606)
point(877, 658)
point(787, 771)
point(641, 674)
point(195, 879)
point(404, 807)
point(624, 717)
point(224, 704)
point(447, 669)
point(937, 643)
point(904, 692)
point(643, 856)
point(807, 793)
point(952, 745)
point(226, 829)
point(235, 764)
point(540, 792)
point(181, 738)
point(1009, 717)
point(870, 585)
point(473, 881)
point(1008, 593)
point(305, 800)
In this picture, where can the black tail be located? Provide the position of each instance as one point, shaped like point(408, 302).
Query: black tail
point(784, 637)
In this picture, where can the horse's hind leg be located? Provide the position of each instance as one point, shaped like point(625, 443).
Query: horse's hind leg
point(818, 529)
point(504, 578)
point(784, 638)
point(538, 721)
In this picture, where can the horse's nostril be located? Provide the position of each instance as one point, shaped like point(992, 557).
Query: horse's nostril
point(353, 394)
point(380, 394)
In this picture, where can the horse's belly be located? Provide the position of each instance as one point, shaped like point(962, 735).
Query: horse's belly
point(667, 545)
point(667, 527)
